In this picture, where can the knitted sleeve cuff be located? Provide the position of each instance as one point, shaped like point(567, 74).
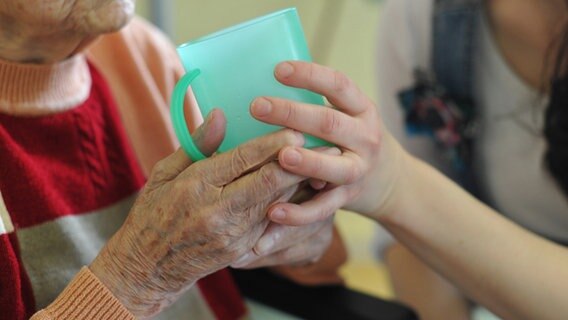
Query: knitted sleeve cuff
point(85, 297)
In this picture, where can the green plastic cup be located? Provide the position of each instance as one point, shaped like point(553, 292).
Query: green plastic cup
point(230, 68)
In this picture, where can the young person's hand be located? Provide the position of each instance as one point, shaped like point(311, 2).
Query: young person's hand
point(364, 177)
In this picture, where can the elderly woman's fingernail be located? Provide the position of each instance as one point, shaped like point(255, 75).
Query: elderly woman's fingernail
point(284, 70)
point(292, 157)
point(278, 214)
point(261, 107)
point(210, 117)
point(265, 245)
point(242, 261)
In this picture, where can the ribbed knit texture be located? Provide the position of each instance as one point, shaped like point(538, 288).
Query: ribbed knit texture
point(85, 298)
point(36, 89)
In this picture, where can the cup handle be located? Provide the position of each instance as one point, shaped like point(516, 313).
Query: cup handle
point(178, 117)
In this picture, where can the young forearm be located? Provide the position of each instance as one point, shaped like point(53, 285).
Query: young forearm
point(493, 261)
point(500, 265)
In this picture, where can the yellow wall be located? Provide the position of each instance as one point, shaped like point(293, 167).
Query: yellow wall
point(341, 33)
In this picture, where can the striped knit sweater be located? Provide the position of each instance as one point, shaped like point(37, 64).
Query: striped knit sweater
point(77, 140)
point(67, 181)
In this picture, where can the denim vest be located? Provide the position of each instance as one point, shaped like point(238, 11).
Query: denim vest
point(454, 30)
point(441, 103)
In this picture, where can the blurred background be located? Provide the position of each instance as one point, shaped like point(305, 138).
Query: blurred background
point(341, 34)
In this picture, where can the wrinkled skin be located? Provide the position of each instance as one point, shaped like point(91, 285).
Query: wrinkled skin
point(291, 245)
point(309, 244)
point(192, 220)
point(46, 31)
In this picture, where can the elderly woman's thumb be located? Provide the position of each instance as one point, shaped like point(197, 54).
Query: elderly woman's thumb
point(209, 136)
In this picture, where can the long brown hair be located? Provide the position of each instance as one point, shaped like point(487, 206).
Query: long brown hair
point(556, 117)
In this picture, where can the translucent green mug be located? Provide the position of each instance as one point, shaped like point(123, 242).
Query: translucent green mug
point(230, 68)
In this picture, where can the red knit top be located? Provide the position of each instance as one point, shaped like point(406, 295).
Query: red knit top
point(68, 180)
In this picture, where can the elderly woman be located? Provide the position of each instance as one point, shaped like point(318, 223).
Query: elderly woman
point(83, 120)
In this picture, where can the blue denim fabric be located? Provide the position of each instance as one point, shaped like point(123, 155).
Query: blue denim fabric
point(455, 24)
point(454, 31)
point(441, 102)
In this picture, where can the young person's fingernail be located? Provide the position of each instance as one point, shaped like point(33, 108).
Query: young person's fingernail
point(292, 157)
point(284, 70)
point(261, 107)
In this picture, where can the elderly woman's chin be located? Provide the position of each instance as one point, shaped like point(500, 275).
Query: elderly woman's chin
point(107, 16)
point(39, 31)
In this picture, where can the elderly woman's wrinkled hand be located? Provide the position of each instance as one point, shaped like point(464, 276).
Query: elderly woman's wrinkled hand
point(192, 220)
point(292, 245)
point(289, 245)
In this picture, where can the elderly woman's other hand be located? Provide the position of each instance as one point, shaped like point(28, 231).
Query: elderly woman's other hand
point(292, 245)
point(289, 245)
point(191, 221)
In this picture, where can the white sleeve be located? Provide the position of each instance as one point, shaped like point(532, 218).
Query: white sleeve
point(405, 42)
